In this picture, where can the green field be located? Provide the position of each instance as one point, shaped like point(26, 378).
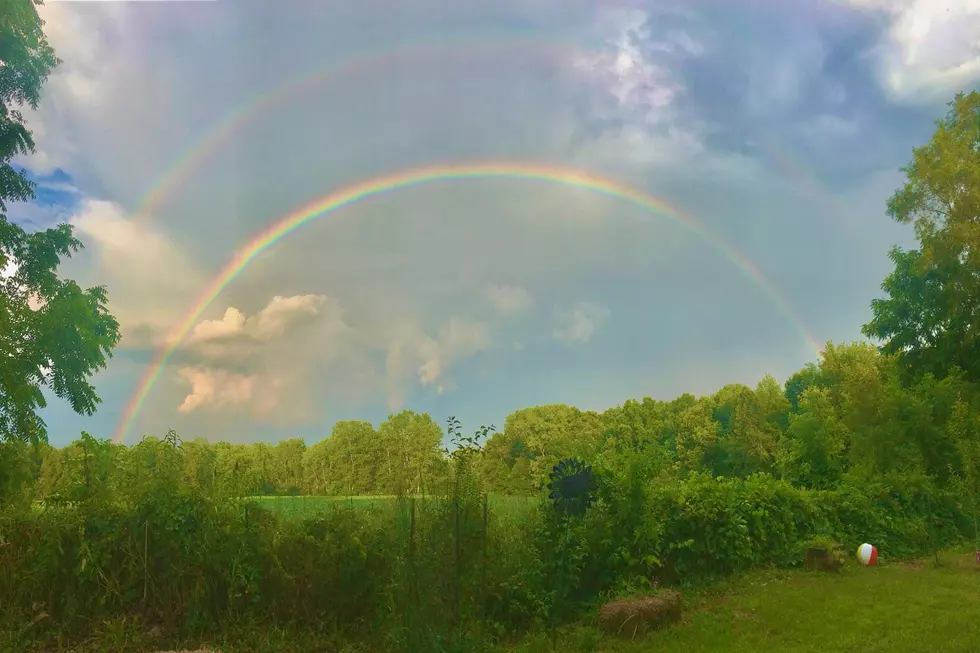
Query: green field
point(504, 508)
point(302, 507)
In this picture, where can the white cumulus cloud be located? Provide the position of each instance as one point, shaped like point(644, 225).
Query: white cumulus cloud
point(578, 325)
point(149, 277)
point(509, 300)
point(216, 389)
point(931, 48)
point(413, 352)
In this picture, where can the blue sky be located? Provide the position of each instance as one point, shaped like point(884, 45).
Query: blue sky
point(780, 127)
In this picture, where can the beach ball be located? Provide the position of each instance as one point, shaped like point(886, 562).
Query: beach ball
point(868, 554)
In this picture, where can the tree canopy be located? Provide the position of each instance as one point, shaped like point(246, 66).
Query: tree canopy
point(53, 334)
point(930, 318)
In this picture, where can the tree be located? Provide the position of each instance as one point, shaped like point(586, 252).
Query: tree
point(812, 452)
point(697, 436)
point(288, 465)
point(931, 316)
point(410, 444)
point(53, 334)
point(552, 432)
point(797, 384)
point(749, 428)
point(200, 464)
point(27, 60)
point(505, 465)
point(355, 457)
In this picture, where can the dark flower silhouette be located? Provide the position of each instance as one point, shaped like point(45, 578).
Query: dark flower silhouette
point(572, 487)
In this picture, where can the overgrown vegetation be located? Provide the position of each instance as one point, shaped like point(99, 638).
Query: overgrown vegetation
point(118, 547)
point(132, 541)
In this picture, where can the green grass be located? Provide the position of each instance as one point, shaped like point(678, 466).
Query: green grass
point(302, 507)
point(893, 608)
point(505, 508)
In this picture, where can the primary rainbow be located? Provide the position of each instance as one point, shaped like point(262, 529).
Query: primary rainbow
point(416, 176)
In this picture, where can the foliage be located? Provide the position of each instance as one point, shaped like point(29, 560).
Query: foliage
point(420, 574)
point(928, 318)
point(27, 59)
point(53, 334)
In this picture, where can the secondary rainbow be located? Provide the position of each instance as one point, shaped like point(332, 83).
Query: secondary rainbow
point(227, 128)
point(540, 172)
point(532, 43)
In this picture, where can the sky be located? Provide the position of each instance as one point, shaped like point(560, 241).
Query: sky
point(174, 133)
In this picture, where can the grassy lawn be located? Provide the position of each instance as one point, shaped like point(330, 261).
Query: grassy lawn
point(892, 608)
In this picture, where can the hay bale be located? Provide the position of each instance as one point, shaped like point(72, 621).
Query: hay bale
point(639, 615)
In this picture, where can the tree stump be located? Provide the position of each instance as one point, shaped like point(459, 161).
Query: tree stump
point(639, 615)
point(824, 558)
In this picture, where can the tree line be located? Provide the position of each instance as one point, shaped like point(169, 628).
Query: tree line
point(853, 414)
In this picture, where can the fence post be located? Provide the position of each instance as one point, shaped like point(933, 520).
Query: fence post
point(483, 579)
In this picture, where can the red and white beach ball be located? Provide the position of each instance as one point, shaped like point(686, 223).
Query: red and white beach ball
point(868, 554)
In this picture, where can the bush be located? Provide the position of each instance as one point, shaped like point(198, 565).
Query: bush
point(705, 528)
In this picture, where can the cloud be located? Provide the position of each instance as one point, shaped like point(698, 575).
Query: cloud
point(508, 300)
point(412, 352)
point(302, 346)
point(930, 49)
point(268, 365)
point(637, 103)
point(77, 85)
point(56, 200)
point(222, 389)
point(578, 325)
point(150, 278)
point(231, 324)
point(235, 336)
point(271, 322)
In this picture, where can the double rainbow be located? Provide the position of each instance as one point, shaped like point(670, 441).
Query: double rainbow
point(520, 171)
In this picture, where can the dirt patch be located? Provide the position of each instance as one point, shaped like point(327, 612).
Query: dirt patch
point(968, 562)
point(745, 615)
point(959, 561)
point(915, 564)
